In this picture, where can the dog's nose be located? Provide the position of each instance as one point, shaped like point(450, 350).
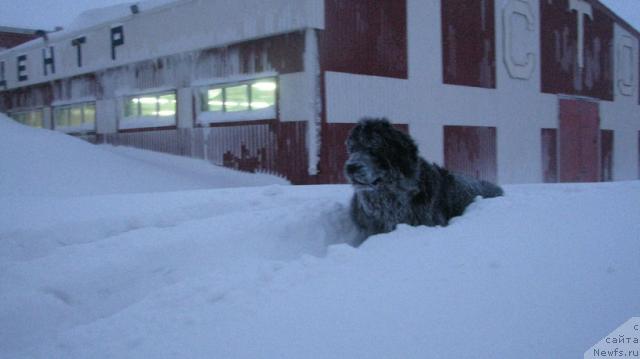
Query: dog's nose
point(353, 167)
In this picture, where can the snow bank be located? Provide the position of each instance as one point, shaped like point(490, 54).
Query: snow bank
point(263, 272)
point(546, 271)
point(40, 162)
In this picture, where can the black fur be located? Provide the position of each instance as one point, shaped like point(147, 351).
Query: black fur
point(394, 185)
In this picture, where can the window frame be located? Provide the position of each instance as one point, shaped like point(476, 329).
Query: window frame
point(82, 128)
point(140, 121)
point(205, 117)
point(28, 111)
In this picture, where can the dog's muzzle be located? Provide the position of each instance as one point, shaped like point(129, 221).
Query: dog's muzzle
point(360, 171)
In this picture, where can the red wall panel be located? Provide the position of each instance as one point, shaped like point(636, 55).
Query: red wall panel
point(549, 155)
point(471, 150)
point(365, 37)
point(559, 51)
point(283, 53)
point(468, 43)
point(10, 39)
point(579, 141)
point(292, 153)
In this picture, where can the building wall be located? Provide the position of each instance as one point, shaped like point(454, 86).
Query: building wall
point(180, 27)
point(402, 59)
point(623, 114)
point(517, 107)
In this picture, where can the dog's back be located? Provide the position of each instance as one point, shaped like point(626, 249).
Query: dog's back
point(460, 190)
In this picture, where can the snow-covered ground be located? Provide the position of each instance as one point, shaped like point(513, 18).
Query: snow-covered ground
point(36, 162)
point(119, 253)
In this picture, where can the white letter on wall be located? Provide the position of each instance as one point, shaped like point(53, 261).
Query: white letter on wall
point(518, 68)
point(583, 8)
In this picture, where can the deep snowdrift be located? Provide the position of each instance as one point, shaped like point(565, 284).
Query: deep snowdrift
point(41, 162)
point(544, 272)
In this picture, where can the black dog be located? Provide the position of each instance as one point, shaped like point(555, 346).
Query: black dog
point(394, 185)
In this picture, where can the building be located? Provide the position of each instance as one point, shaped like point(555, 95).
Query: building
point(514, 91)
point(13, 36)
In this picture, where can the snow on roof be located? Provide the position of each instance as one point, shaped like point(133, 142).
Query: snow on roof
point(97, 16)
point(17, 30)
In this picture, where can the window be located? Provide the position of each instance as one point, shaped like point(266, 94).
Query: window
point(32, 118)
point(150, 110)
point(263, 94)
point(75, 118)
point(468, 43)
point(240, 101)
point(471, 150)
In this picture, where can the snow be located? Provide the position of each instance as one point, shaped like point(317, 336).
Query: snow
point(106, 14)
point(39, 162)
point(264, 272)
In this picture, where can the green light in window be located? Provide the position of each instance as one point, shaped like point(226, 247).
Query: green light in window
point(237, 98)
point(167, 105)
point(89, 111)
point(263, 94)
point(214, 100)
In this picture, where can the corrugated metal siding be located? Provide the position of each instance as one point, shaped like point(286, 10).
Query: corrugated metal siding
point(468, 43)
point(549, 155)
point(245, 147)
point(471, 150)
point(579, 141)
point(606, 155)
point(365, 37)
point(165, 141)
point(261, 146)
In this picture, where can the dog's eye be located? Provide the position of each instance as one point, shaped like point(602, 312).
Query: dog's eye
point(382, 162)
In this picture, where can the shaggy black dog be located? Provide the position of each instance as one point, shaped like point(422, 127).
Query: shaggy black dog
point(394, 185)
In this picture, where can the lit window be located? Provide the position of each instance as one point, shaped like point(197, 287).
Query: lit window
point(167, 105)
point(29, 118)
point(213, 100)
point(77, 116)
point(131, 108)
point(263, 94)
point(148, 106)
point(236, 98)
point(61, 117)
point(89, 113)
point(152, 105)
point(243, 97)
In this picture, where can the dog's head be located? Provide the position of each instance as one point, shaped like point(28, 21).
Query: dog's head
point(380, 156)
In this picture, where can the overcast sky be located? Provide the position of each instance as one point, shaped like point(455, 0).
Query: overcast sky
point(47, 14)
